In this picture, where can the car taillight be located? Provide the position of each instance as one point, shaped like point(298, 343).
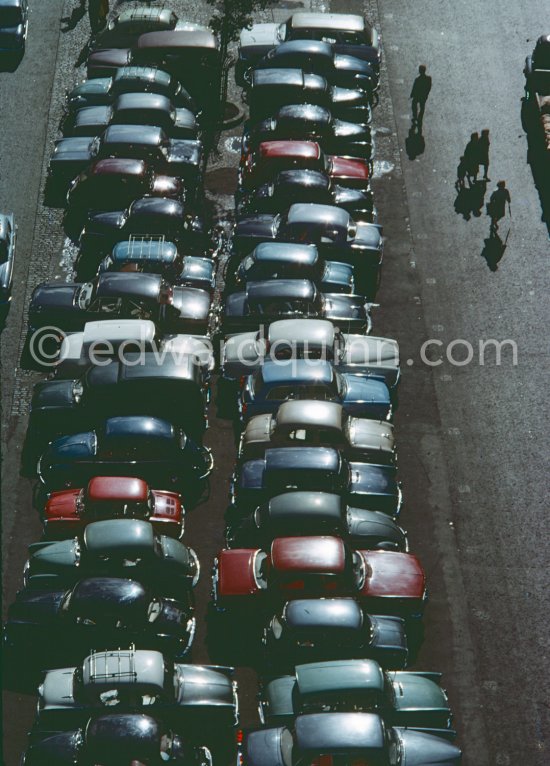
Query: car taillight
point(242, 381)
point(244, 408)
point(239, 736)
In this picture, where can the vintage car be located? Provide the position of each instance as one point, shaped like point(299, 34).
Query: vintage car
point(285, 260)
point(287, 469)
point(270, 89)
point(308, 122)
point(114, 739)
point(346, 738)
point(336, 234)
point(275, 382)
point(155, 255)
point(193, 699)
point(320, 58)
point(385, 582)
point(411, 699)
point(348, 34)
point(8, 234)
point(125, 27)
point(314, 186)
point(14, 25)
point(290, 339)
point(273, 299)
point(119, 294)
point(261, 165)
point(139, 384)
point(51, 626)
point(323, 629)
point(168, 156)
point(130, 79)
point(108, 338)
point(68, 511)
point(314, 513)
point(118, 548)
point(134, 109)
point(310, 423)
point(149, 448)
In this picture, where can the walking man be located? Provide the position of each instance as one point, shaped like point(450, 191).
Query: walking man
point(419, 94)
point(497, 205)
point(471, 158)
point(483, 152)
point(98, 11)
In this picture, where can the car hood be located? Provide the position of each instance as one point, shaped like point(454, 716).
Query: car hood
point(377, 481)
point(240, 354)
point(54, 556)
point(345, 167)
point(349, 97)
point(366, 390)
point(236, 305)
point(414, 692)
point(56, 690)
point(388, 632)
point(36, 605)
point(112, 57)
point(371, 435)
point(344, 307)
point(191, 302)
point(67, 448)
point(259, 39)
point(255, 226)
point(204, 686)
point(107, 221)
point(167, 186)
point(258, 429)
point(393, 574)
point(58, 750)
point(343, 129)
point(56, 296)
point(10, 36)
point(368, 235)
point(53, 393)
point(426, 750)
point(72, 149)
point(263, 748)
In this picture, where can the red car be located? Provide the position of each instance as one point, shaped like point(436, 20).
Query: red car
point(261, 165)
point(386, 582)
point(107, 497)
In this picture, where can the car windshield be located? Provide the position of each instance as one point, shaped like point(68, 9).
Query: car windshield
point(281, 32)
point(10, 17)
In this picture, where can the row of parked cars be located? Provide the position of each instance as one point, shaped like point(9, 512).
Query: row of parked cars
point(316, 568)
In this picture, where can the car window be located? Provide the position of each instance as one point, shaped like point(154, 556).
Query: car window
point(276, 628)
point(106, 305)
point(281, 393)
point(261, 569)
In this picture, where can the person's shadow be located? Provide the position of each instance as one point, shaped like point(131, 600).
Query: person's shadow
point(493, 250)
point(469, 200)
point(414, 143)
point(76, 15)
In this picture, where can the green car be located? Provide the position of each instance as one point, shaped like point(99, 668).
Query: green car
point(402, 698)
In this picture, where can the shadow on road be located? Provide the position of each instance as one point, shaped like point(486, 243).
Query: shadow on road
point(77, 14)
point(10, 63)
point(469, 200)
point(493, 250)
point(414, 143)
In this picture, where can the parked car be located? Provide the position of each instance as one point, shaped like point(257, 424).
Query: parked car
point(314, 186)
point(336, 234)
point(270, 89)
point(287, 469)
point(134, 109)
point(168, 156)
point(193, 699)
point(350, 736)
point(8, 235)
point(290, 339)
point(386, 582)
point(118, 548)
point(127, 25)
point(348, 34)
point(129, 79)
point(537, 69)
point(310, 122)
point(320, 57)
point(14, 26)
point(271, 299)
point(313, 513)
point(117, 738)
point(411, 699)
point(109, 338)
point(149, 448)
point(51, 626)
point(119, 294)
point(310, 423)
point(156, 255)
point(275, 382)
point(139, 384)
point(259, 166)
point(67, 512)
point(283, 260)
point(323, 629)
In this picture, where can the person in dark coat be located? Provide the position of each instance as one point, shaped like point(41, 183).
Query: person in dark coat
point(496, 207)
point(460, 174)
point(98, 11)
point(483, 152)
point(471, 158)
point(419, 94)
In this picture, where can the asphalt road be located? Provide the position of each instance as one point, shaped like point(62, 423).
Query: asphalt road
point(472, 441)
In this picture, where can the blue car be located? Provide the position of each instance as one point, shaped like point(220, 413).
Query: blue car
point(14, 23)
point(278, 381)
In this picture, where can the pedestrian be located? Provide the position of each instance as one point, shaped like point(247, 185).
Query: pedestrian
point(419, 94)
point(496, 207)
point(471, 158)
point(98, 11)
point(460, 174)
point(483, 152)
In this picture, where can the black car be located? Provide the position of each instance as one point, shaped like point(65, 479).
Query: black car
point(134, 109)
point(271, 89)
point(293, 186)
point(50, 627)
point(309, 630)
point(119, 295)
point(168, 156)
point(14, 24)
point(337, 235)
point(319, 57)
point(150, 448)
point(309, 122)
point(269, 300)
point(8, 233)
point(287, 469)
point(137, 384)
point(115, 739)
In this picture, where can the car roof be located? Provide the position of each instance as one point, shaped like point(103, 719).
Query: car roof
point(315, 47)
point(119, 535)
point(117, 488)
point(304, 414)
point(121, 284)
point(144, 249)
point(316, 678)
point(347, 733)
point(302, 505)
point(301, 370)
point(309, 112)
point(149, 135)
point(142, 101)
point(97, 597)
point(143, 73)
point(277, 76)
point(311, 179)
point(328, 215)
point(289, 149)
point(183, 38)
point(144, 13)
point(157, 205)
point(133, 666)
point(325, 613)
point(280, 289)
point(302, 458)
point(343, 21)
point(116, 330)
point(11, 3)
point(120, 737)
point(282, 252)
point(184, 367)
point(317, 332)
point(135, 426)
point(120, 166)
point(314, 555)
